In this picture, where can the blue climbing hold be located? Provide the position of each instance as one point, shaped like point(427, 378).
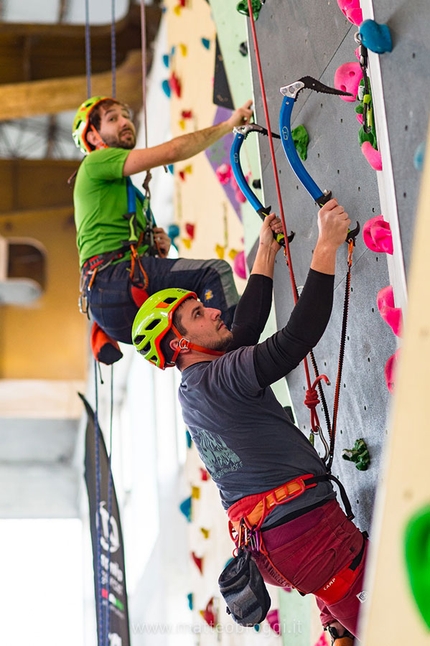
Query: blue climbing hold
point(166, 60)
point(206, 43)
point(173, 231)
point(419, 156)
point(185, 508)
point(376, 37)
point(189, 439)
point(166, 88)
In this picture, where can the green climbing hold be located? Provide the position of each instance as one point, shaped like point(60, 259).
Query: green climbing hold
point(359, 454)
point(367, 131)
point(301, 141)
point(417, 557)
point(256, 5)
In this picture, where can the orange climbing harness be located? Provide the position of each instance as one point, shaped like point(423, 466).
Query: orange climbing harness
point(247, 515)
point(250, 512)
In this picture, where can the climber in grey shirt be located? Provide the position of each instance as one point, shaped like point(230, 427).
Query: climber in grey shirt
point(246, 440)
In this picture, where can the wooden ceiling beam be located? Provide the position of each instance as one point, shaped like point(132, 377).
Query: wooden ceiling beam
point(22, 100)
point(32, 52)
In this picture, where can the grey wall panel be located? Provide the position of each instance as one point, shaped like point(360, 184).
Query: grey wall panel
point(312, 38)
point(406, 86)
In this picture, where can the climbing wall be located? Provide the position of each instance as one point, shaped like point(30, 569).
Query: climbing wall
point(295, 41)
point(298, 39)
point(305, 42)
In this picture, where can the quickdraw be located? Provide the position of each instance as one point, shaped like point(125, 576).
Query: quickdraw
point(240, 134)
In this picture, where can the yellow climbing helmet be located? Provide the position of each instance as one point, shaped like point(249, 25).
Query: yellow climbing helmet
point(154, 320)
point(81, 122)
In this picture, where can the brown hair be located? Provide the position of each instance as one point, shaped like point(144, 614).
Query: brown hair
point(95, 115)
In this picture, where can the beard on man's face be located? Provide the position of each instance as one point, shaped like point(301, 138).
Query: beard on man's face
point(128, 142)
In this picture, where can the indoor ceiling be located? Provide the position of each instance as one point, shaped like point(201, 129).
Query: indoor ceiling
point(51, 51)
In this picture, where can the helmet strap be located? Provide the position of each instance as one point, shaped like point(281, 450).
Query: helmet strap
point(185, 344)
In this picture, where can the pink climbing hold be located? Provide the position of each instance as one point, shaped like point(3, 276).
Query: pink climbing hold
point(347, 78)
point(389, 313)
point(351, 10)
point(322, 641)
point(372, 155)
point(390, 370)
point(239, 266)
point(224, 173)
point(377, 235)
point(272, 618)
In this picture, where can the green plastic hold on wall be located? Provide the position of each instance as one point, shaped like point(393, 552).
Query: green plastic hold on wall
point(301, 141)
point(417, 558)
point(359, 454)
point(243, 8)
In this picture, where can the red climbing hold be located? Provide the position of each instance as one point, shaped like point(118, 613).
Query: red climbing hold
point(198, 561)
point(210, 614)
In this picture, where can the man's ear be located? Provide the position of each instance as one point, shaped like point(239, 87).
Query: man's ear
point(91, 137)
point(176, 343)
point(94, 139)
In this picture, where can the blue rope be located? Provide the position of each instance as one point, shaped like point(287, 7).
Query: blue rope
point(88, 47)
point(113, 51)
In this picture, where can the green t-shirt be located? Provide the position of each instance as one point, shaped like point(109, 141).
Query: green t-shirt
point(100, 199)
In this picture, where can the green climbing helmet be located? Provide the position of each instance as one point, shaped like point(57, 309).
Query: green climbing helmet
point(81, 122)
point(154, 320)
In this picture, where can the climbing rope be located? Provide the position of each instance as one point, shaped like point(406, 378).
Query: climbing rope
point(144, 81)
point(312, 398)
point(88, 47)
point(103, 578)
point(287, 252)
point(113, 49)
point(332, 430)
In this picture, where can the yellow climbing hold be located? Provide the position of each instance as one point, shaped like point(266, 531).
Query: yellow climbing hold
point(195, 492)
point(219, 250)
